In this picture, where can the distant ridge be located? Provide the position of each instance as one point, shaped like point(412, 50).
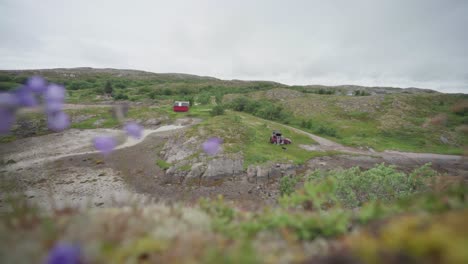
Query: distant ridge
point(174, 77)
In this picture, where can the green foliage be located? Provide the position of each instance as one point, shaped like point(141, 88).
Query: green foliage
point(163, 164)
point(119, 95)
point(79, 84)
point(264, 109)
point(326, 130)
point(204, 98)
point(167, 91)
point(361, 93)
point(306, 123)
point(222, 214)
point(287, 185)
point(303, 225)
point(108, 89)
point(217, 110)
point(353, 187)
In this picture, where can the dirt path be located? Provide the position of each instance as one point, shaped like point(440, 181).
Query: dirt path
point(327, 144)
point(407, 161)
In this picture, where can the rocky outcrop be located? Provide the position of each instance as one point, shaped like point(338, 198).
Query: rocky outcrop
point(270, 173)
point(222, 168)
point(195, 174)
point(178, 149)
point(205, 173)
point(174, 175)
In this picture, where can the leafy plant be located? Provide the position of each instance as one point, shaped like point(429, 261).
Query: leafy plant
point(163, 164)
point(353, 187)
point(217, 110)
point(287, 185)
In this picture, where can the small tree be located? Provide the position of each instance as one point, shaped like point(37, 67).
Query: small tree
point(108, 88)
point(217, 110)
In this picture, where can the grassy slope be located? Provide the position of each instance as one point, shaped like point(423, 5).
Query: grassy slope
point(398, 121)
point(249, 135)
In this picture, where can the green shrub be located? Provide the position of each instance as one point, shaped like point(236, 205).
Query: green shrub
point(217, 110)
point(327, 131)
point(204, 98)
point(353, 187)
point(287, 185)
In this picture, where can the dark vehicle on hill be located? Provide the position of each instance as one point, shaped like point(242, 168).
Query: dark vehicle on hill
point(277, 138)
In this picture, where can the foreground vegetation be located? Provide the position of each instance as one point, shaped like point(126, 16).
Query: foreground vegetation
point(379, 215)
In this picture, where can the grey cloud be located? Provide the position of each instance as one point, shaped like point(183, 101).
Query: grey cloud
point(386, 42)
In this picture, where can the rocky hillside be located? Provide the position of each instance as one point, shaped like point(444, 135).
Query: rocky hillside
point(135, 78)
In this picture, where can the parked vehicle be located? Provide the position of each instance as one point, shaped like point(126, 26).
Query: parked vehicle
point(181, 106)
point(277, 138)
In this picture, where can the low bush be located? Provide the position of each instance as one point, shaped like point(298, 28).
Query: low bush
point(217, 110)
point(287, 185)
point(353, 187)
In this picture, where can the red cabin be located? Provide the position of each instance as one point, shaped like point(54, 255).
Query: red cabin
point(181, 106)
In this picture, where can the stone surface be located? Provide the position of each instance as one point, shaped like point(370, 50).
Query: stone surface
point(252, 174)
point(222, 168)
point(262, 174)
point(152, 122)
point(194, 176)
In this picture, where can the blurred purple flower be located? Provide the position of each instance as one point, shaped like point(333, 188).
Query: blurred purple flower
point(25, 97)
point(7, 118)
point(105, 144)
point(54, 93)
point(64, 253)
point(8, 100)
point(37, 84)
point(133, 129)
point(58, 121)
point(53, 106)
point(212, 146)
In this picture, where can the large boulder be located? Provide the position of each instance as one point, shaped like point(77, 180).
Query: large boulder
point(269, 173)
point(194, 176)
point(222, 168)
point(178, 149)
point(252, 174)
point(262, 174)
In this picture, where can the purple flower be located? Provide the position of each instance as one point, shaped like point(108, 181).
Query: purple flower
point(55, 93)
point(53, 106)
point(104, 144)
point(58, 121)
point(7, 118)
point(64, 253)
point(25, 97)
point(133, 129)
point(212, 146)
point(8, 100)
point(37, 84)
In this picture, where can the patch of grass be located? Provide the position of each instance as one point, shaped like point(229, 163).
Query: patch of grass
point(186, 167)
point(163, 164)
point(246, 134)
point(390, 122)
point(7, 138)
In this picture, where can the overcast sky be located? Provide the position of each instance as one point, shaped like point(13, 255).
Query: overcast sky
point(419, 43)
